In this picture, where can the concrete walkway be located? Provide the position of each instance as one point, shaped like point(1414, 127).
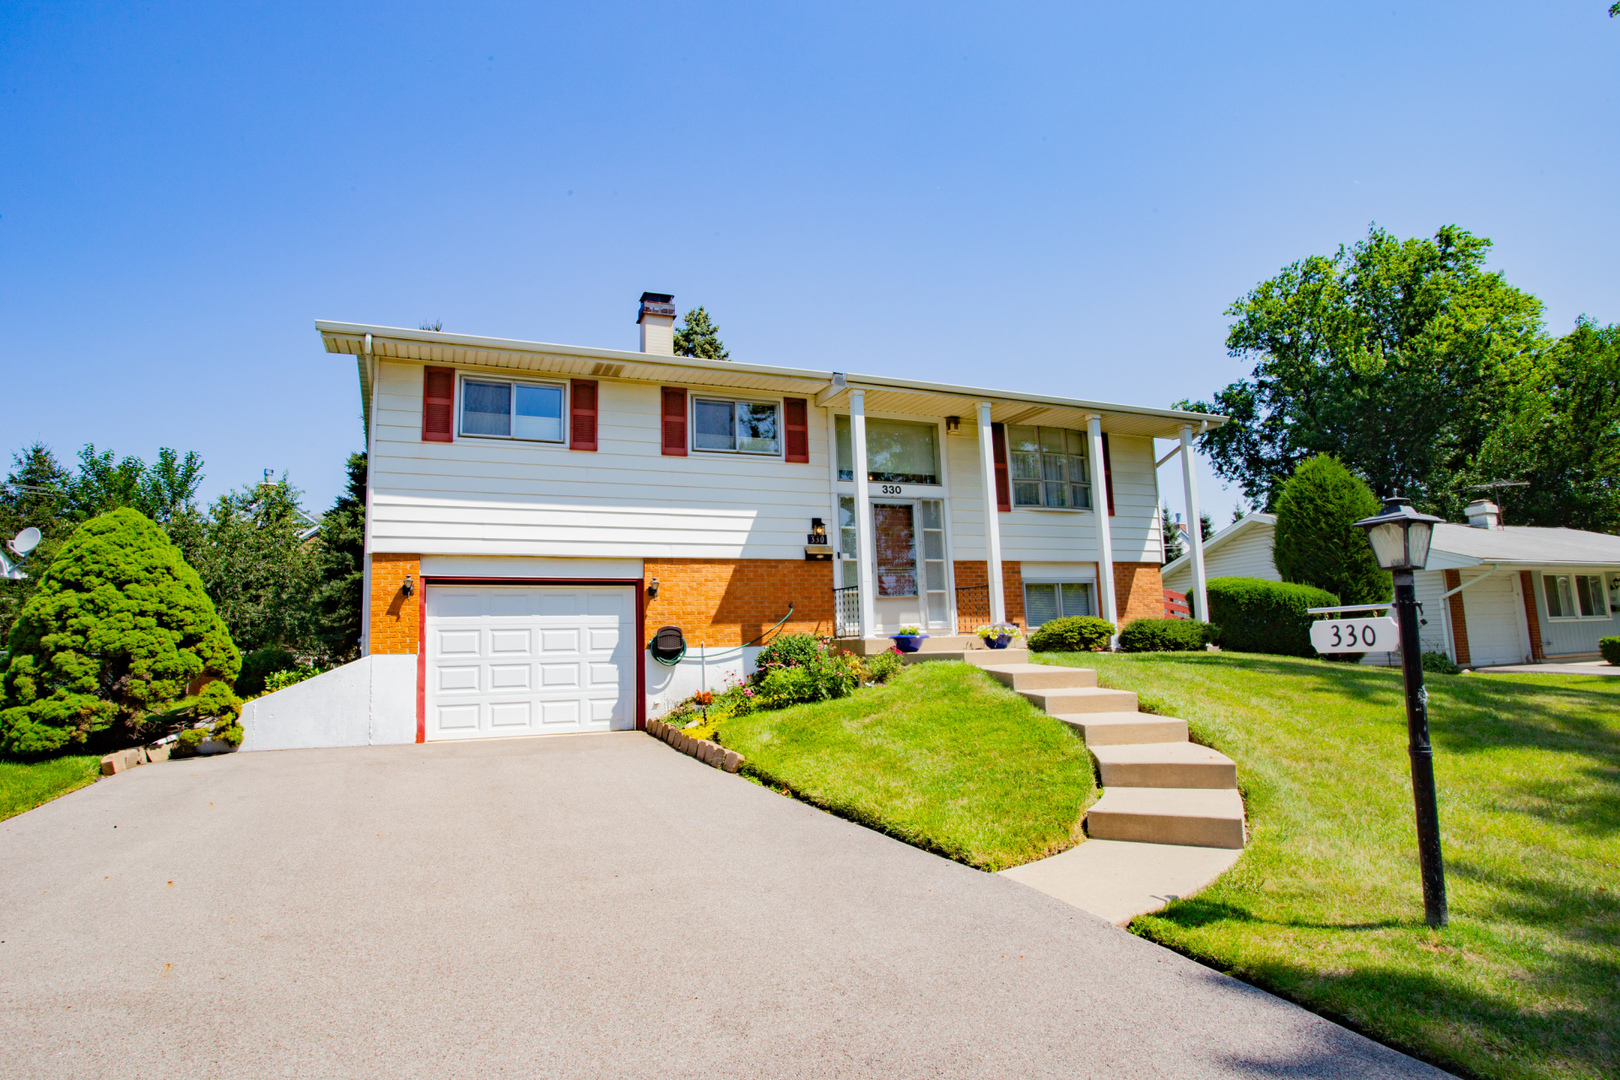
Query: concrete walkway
point(596, 906)
point(1576, 667)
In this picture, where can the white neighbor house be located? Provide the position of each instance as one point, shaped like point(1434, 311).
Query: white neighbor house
point(1492, 594)
point(536, 512)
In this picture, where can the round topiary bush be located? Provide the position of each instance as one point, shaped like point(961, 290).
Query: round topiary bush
point(1265, 616)
point(1610, 648)
point(1165, 635)
point(1078, 633)
point(118, 629)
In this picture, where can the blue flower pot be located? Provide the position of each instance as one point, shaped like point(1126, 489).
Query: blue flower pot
point(907, 642)
point(998, 642)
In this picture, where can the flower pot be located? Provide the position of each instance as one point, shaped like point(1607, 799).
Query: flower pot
point(998, 642)
point(907, 642)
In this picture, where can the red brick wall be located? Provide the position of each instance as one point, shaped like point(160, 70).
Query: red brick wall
point(973, 609)
point(393, 616)
point(732, 601)
point(1459, 621)
point(1532, 615)
point(1138, 591)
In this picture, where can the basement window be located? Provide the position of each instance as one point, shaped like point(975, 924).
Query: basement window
point(1048, 600)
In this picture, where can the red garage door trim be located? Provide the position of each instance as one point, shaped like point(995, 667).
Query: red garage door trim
point(421, 635)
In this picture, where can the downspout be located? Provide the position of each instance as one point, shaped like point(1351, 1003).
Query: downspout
point(365, 544)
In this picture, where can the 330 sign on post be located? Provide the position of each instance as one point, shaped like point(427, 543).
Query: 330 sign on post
point(1355, 635)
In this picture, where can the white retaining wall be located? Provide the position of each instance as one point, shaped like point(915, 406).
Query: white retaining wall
point(370, 702)
point(699, 669)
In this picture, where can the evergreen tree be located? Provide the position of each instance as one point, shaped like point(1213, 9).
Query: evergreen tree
point(700, 337)
point(1174, 546)
point(1317, 542)
point(340, 568)
point(35, 495)
point(259, 567)
point(117, 630)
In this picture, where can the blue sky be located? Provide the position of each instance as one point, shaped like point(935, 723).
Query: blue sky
point(1057, 198)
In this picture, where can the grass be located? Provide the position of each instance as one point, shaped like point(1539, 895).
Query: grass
point(25, 785)
point(942, 757)
point(1326, 908)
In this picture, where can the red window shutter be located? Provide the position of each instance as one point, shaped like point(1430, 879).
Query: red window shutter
point(582, 414)
point(438, 404)
point(998, 442)
point(1108, 475)
point(674, 421)
point(796, 425)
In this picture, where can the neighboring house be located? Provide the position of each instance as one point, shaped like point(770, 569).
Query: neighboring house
point(537, 512)
point(1492, 594)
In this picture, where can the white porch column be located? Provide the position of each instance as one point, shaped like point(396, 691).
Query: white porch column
point(1099, 510)
point(992, 515)
point(1195, 526)
point(865, 543)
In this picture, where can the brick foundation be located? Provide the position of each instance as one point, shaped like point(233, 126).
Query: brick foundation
point(724, 602)
point(394, 617)
point(1527, 585)
point(1459, 621)
point(1138, 591)
point(973, 599)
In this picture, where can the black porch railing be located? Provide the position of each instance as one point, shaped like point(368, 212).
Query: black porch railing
point(847, 611)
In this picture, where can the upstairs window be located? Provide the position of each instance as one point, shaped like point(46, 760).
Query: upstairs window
point(512, 410)
point(1575, 596)
point(737, 427)
point(897, 452)
point(1049, 467)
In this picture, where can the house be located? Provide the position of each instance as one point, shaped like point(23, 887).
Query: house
point(537, 512)
point(1491, 593)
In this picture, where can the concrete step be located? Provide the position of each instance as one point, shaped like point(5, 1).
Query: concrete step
point(1110, 729)
point(1118, 880)
point(976, 657)
point(1200, 817)
point(1041, 676)
point(1083, 699)
point(1164, 765)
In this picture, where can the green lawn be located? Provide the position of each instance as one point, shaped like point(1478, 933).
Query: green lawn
point(942, 757)
point(24, 786)
point(1325, 907)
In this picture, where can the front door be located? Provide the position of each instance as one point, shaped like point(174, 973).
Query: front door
point(894, 531)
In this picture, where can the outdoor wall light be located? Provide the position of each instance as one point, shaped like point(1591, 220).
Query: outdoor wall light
point(652, 588)
point(818, 527)
point(408, 589)
point(953, 424)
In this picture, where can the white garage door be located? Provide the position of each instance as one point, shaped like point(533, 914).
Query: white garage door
point(529, 660)
point(1492, 610)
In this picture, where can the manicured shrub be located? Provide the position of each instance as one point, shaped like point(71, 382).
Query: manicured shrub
point(1610, 648)
point(1078, 633)
point(259, 665)
point(1265, 616)
point(1165, 635)
point(117, 630)
point(1441, 664)
point(789, 650)
point(1317, 542)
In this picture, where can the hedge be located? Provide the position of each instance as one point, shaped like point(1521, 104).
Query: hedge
point(1265, 616)
point(1078, 633)
point(1610, 647)
point(1166, 635)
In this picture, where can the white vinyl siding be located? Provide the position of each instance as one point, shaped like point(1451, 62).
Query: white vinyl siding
point(1246, 554)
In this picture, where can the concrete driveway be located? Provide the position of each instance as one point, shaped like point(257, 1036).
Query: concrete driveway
point(594, 906)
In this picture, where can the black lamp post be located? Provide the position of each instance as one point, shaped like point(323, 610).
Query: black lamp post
point(1400, 541)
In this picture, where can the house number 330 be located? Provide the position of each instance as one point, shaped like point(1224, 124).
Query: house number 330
point(891, 489)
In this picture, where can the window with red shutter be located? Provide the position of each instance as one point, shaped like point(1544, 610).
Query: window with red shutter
point(796, 425)
point(674, 421)
point(582, 414)
point(1108, 475)
point(998, 443)
point(438, 404)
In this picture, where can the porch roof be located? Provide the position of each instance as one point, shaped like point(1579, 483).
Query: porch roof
point(883, 394)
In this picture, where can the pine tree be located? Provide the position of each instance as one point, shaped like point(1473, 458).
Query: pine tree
point(116, 632)
point(700, 338)
point(340, 563)
point(1317, 542)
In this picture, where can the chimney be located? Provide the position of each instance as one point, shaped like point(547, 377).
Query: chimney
point(657, 321)
point(1484, 514)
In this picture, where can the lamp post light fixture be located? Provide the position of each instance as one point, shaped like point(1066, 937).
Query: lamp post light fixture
point(1400, 537)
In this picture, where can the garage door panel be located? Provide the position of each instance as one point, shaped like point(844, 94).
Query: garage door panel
point(1491, 609)
point(511, 660)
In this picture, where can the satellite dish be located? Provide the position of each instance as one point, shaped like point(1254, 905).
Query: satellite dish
point(25, 541)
